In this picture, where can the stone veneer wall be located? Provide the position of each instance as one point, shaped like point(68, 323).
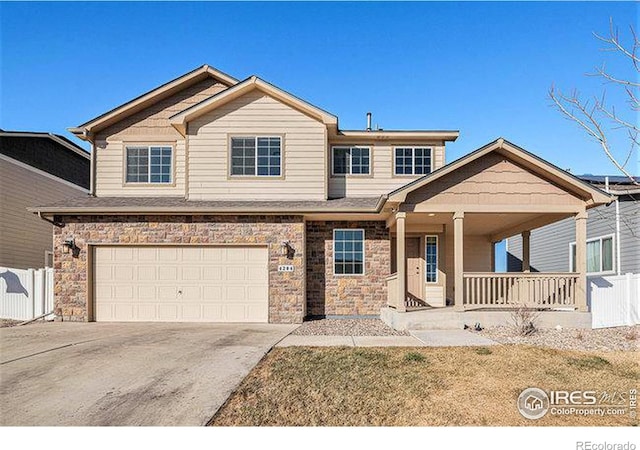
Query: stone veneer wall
point(328, 294)
point(286, 289)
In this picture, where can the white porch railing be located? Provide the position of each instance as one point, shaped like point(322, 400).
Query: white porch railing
point(25, 293)
point(392, 291)
point(506, 290)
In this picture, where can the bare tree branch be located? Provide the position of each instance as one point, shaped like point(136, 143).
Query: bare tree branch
point(588, 115)
point(601, 72)
point(587, 121)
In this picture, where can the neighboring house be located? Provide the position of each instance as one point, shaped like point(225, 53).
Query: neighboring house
point(613, 236)
point(35, 168)
point(223, 200)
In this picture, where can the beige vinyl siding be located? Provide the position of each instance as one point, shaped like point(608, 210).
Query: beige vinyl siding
point(149, 126)
point(256, 114)
point(24, 237)
point(382, 179)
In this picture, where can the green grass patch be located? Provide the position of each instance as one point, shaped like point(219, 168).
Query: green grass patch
point(414, 357)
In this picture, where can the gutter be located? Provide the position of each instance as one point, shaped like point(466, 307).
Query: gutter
point(52, 222)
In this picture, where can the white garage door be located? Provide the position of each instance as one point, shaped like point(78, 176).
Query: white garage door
point(181, 284)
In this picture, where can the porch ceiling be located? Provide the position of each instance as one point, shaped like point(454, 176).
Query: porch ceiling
point(495, 225)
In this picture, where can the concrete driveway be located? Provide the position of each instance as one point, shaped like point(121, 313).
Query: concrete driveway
point(125, 373)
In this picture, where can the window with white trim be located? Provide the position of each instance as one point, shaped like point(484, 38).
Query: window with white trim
point(351, 161)
point(149, 164)
point(599, 255)
point(256, 156)
point(412, 160)
point(431, 259)
point(348, 252)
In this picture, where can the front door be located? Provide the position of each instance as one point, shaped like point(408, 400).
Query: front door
point(414, 269)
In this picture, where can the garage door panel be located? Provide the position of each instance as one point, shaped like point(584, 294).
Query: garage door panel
point(198, 284)
point(121, 254)
point(212, 273)
point(168, 312)
point(124, 272)
point(168, 273)
point(147, 273)
point(147, 293)
point(147, 254)
point(191, 273)
point(213, 254)
point(124, 292)
point(236, 255)
point(257, 275)
point(122, 311)
point(146, 312)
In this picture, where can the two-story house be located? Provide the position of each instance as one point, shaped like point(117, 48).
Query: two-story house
point(35, 168)
point(215, 199)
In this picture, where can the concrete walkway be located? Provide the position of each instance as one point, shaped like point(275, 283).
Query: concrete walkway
point(451, 338)
point(439, 338)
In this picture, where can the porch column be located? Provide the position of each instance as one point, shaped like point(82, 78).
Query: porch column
point(581, 261)
point(401, 261)
point(526, 251)
point(458, 258)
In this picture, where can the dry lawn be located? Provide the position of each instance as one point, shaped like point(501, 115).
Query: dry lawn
point(302, 386)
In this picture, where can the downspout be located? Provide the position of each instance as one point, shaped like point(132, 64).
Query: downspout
point(92, 173)
point(618, 265)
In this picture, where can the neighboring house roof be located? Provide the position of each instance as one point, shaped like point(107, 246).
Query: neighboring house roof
point(592, 195)
point(180, 120)
point(49, 153)
point(178, 205)
point(149, 98)
point(59, 139)
point(613, 184)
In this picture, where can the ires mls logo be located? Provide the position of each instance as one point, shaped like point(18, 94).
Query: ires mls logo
point(533, 403)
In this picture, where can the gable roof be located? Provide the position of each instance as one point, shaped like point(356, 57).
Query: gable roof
point(180, 120)
point(590, 194)
point(102, 121)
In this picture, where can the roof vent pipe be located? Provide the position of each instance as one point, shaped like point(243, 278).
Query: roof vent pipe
point(368, 121)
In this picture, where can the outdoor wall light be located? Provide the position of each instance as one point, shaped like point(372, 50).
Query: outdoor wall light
point(288, 250)
point(68, 245)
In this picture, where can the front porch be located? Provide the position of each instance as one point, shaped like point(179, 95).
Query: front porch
point(444, 228)
point(449, 261)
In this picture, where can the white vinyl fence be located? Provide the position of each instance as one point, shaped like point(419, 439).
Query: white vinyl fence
point(25, 293)
point(614, 300)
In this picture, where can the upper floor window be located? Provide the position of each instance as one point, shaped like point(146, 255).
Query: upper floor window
point(149, 164)
point(351, 161)
point(256, 156)
point(412, 160)
point(599, 255)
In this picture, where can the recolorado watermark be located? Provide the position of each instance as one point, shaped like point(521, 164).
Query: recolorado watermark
point(534, 403)
point(588, 445)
